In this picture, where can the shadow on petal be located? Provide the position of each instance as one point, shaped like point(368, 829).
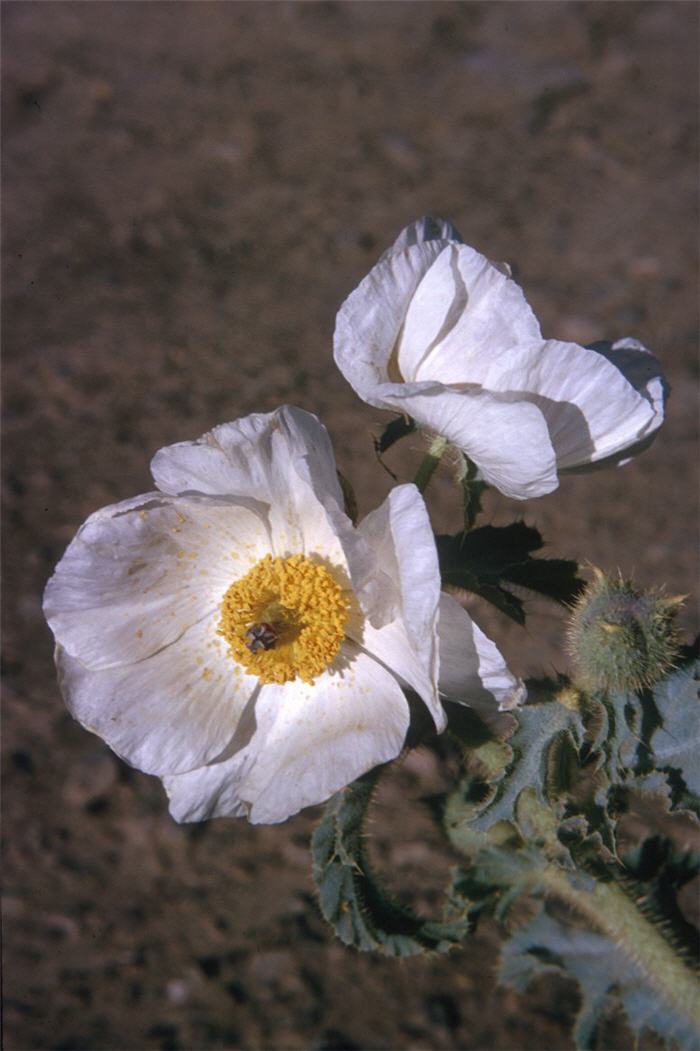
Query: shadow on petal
point(638, 365)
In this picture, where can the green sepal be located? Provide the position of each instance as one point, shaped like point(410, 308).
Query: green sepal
point(362, 913)
point(485, 559)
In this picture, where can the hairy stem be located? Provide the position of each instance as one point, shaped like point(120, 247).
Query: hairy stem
point(608, 909)
point(429, 463)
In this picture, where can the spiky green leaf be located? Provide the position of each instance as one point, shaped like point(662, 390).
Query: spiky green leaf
point(674, 740)
point(542, 754)
point(606, 979)
point(637, 950)
point(486, 559)
point(651, 739)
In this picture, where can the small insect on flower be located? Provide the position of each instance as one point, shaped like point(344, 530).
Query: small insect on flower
point(260, 637)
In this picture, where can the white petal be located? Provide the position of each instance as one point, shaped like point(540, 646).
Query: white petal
point(592, 411)
point(213, 790)
point(173, 711)
point(312, 521)
point(400, 534)
point(414, 299)
point(244, 457)
point(369, 321)
point(309, 448)
point(507, 438)
point(642, 370)
point(393, 647)
point(472, 671)
point(282, 460)
point(305, 743)
point(639, 367)
point(210, 791)
point(416, 568)
point(438, 332)
point(465, 309)
point(138, 574)
point(323, 737)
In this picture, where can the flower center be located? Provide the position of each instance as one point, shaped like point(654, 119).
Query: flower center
point(283, 619)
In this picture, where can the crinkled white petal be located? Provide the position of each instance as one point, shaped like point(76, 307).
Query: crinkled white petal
point(643, 371)
point(210, 791)
point(140, 573)
point(246, 456)
point(472, 670)
point(377, 593)
point(508, 438)
point(392, 645)
point(591, 410)
point(465, 310)
point(283, 460)
point(369, 321)
point(309, 742)
point(412, 301)
point(639, 367)
point(400, 534)
point(172, 711)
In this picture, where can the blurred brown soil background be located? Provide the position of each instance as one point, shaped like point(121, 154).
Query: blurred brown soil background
point(190, 190)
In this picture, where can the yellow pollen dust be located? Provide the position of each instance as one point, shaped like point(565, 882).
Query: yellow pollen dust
point(299, 608)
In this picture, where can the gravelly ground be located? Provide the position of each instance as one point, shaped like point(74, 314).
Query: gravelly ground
point(190, 190)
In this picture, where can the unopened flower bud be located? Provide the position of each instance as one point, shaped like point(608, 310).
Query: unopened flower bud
point(621, 638)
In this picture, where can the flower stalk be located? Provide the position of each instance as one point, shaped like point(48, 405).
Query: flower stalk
point(430, 462)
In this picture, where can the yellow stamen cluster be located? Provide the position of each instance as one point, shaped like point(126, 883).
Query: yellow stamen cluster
point(303, 605)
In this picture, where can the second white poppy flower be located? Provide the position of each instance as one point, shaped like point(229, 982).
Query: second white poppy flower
point(438, 332)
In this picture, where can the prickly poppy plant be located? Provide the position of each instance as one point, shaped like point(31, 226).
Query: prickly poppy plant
point(237, 633)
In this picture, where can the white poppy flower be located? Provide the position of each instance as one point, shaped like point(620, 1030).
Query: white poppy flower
point(439, 333)
point(236, 635)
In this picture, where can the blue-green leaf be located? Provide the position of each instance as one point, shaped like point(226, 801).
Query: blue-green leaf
point(651, 739)
point(675, 740)
point(353, 901)
point(607, 978)
point(542, 754)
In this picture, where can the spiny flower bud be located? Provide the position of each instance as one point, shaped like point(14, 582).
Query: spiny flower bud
point(621, 638)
